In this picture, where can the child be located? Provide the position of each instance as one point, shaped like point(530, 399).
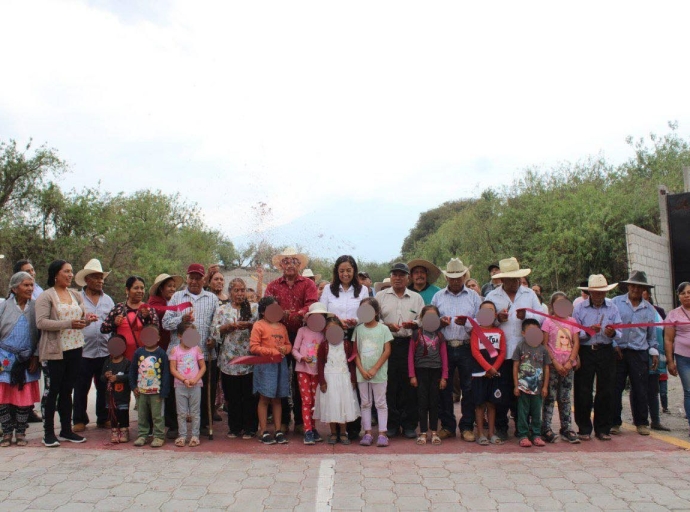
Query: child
point(271, 379)
point(304, 351)
point(149, 377)
point(563, 343)
point(486, 384)
point(116, 376)
point(187, 365)
point(427, 364)
point(531, 381)
point(373, 341)
point(336, 401)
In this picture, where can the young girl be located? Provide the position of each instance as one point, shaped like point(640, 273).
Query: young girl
point(116, 376)
point(304, 351)
point(486, 384)
point(271, 379)
point(373, 341)
point(563, 343)
point(187, 366)
point(427, 364)
point(336, 401)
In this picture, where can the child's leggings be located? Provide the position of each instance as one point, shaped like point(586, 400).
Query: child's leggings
point(428, 380)
point(14, 418)
point(188, 401)
point(369, 393)
point(307, 391)
point(560, 389)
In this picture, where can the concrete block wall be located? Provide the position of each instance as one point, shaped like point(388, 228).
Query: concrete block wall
point(651, 253)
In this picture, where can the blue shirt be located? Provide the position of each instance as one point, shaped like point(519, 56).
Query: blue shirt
point(95, 342)
point(587, 315)
point(204, 306)
point(524, 298)
point(464, 303)
point(636, 338)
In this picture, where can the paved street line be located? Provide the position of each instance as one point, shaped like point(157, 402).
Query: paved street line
point(324, 489)
point(661, 437)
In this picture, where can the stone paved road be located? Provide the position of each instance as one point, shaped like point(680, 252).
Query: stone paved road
point(80, 479)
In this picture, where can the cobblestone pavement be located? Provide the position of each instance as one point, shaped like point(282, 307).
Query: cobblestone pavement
point(80, 479)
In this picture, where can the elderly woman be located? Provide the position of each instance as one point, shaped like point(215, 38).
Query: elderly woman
point(160, 293)
point(19, 372)
point(60, 316)
point(677, 343)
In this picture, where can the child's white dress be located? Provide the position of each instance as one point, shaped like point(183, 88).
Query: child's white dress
point(339, 403)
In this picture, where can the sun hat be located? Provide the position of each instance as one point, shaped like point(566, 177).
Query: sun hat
point(510, 268)
point(307, 272)
point(456, 268)
point(386, 283)
point(638, 277)
point(196, 268)
point(597, 283)
point(92, 267)
point(318, 307)
point(160, 278)
point(290, 252)
point(432, 271)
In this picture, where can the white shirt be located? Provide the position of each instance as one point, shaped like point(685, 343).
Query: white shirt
point(524, 298)
point(346, 304)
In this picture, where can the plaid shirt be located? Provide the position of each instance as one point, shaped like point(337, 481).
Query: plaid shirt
point(204, 306)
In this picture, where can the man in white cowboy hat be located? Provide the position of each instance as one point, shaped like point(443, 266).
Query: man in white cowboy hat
point(309, 274)
point(633, 350)
point(453, 301)
point(95, 351)
point(423, 275)
point(597, 358)
point(295, 294)
point(510, 300)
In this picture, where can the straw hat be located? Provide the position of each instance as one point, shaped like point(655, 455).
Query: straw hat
point(386, 283)
point(432, 271)
point(307, 272)
point(159, 280)
point(92, 267)
point(597, 283)
point(290, 252)
point(638, 277)
point(318, 307)
point(456, 268)
point(510, 268)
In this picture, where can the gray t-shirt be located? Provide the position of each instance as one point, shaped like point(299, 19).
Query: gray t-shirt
point(428, 351)
point(531, 367)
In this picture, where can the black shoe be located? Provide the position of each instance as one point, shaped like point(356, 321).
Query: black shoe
point(204, 431)
point(72, 437)
point(280, 438)
point(267, 439)
point(659, 426)
point(34, 418)
point(410, 433)
point(50, 440)
point(172, 433)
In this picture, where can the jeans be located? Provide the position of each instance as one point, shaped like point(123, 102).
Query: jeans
point(242, 403)
point(188, 402)
point(400, 396)
point(90, 371)
point(151, 405)
point(599, 363)
point(529, 408)
point(428, 380)
point(59, 378)
point(460, 358)
point(683, 364)
point(635, 364)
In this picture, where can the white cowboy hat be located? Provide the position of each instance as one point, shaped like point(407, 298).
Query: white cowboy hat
point(164, 277)
point(597, 283)
point(456, 268)
point(92, 267)
point(290, 252)
point(386, 283)
point(318, 307)
point(432, 271)
point(307, 272)
point(510, 268)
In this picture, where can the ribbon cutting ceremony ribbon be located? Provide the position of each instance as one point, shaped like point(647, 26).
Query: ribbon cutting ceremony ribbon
point(649, 324)
point(482, 337)
point(588, 330)
point(256, 359)
point(163, 309)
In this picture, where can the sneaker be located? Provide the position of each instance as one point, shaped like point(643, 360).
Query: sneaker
point(665, 411)
point(317, 436)
point(157, 442)
point(72, 437)
point(615, 430)
point(232, 435)
point(571, 437)
point(367, 440)
point(309, 437)
point(266, 438)
point(444, 433)
point(281, 439)
point(643, 430)
point(468, 435)
point(78, 427)
point(50, 440)
point(382, 441)
point(248, 435)
point(140, 441)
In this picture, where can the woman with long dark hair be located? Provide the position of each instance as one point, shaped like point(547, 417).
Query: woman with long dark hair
point(344, 294)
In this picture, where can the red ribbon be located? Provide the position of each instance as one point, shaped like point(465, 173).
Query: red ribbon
point(482, 337)
point(588, 330)
point(256, 359)
point(163, 309)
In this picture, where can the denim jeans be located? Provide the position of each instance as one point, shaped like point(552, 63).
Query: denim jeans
point(683, 364)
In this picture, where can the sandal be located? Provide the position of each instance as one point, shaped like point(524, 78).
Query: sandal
point(435, 440)
point(483, 441)
point(549, 436)
point(525, 443)
point(421, 438)
point(496, 440)
point(6, 440)
point(20, 439)
point(180, 442)
point(332, 438)
point(603, 437)
point(194, 441)
point(538, 441)
point(344, 439)
point(584, 437)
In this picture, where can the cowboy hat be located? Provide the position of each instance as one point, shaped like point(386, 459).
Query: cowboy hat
point(290, 252)
point(92, 267)
point(597, 283)
point(160, 278)
point(307, 272)
point(432, 271)
point(386, 283)
point(510, 268)
point(456, 268)
point(318, 307)
point(638, 277)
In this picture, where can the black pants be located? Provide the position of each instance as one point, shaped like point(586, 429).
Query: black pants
point(170, 412)
point(401, 397)
point(599, 363)
point(121, 418)
point(294, 401)
point(635, 364)
point(211, 370)
point(428, 380)
point(652, 398)
point(89, 371)
point(60, 375)
point(242, 403)
point(509, 401)
point(459, 358)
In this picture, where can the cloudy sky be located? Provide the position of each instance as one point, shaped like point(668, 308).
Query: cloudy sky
point(347, 119)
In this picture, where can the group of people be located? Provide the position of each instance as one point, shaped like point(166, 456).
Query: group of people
point(342, 355)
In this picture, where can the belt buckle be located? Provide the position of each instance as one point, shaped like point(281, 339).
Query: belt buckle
point(595, 346)
point(455, 343)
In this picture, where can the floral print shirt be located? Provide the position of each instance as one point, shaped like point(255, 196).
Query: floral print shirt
point(235, 343)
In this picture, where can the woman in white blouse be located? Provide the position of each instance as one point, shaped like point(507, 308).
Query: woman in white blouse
point(344, 294)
